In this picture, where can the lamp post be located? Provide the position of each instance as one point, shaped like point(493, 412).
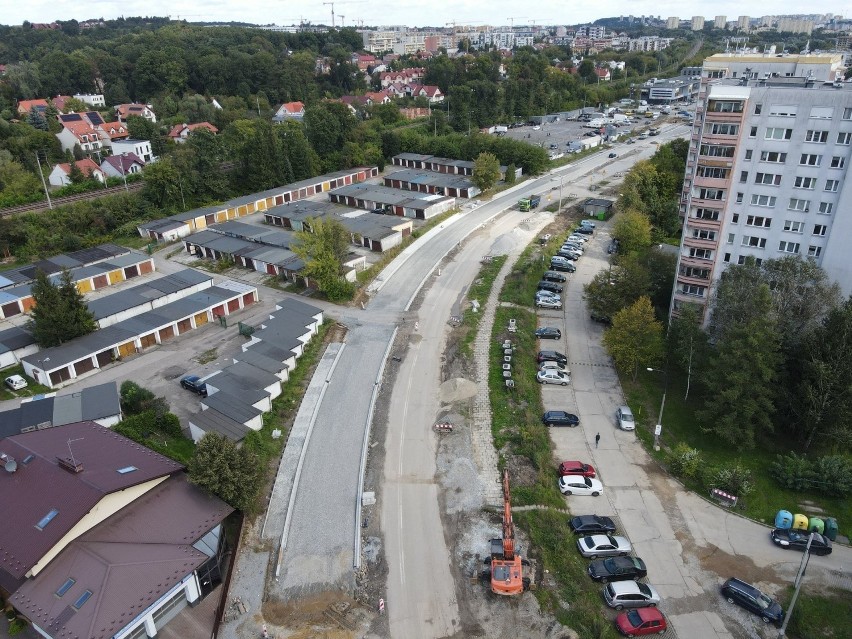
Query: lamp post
point(658, 429)
point(798, 585)
point(561, 178)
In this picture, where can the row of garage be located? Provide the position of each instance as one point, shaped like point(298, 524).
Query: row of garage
point(433, 183)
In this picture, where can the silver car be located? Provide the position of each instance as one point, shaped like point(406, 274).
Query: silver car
point(595, 546)
point(550, 376)
point(630, 594)
point(544, 302)
point(624, 416)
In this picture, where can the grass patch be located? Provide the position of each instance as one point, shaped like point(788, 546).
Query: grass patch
point(821, 616)
point(33, 388)
point(479, 291)
point(207, 356)
point(521, 284)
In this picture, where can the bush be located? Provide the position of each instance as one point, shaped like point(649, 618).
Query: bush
point(17, 626)
point(793, 471)
point(831, 474)
point(134, 398)
point(685, 461)
point(834, 475)
point(735, 479)
point(170, 425)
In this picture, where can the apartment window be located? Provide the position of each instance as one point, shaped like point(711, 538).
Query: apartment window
point(777, 133)
point(844, 138)
point(763, 200)
point(717, 151)
point(694, 271)
point(752, 132)
point(701, 254)
point(822, 113)
point(793, 226)
point(693, 289)
point(804, 182)
point(739, 198)
point(706, 214)
point(820, 137)
point(756, 220)
point(809, 159)
point(773, 156)
point(799, 205)
point(735, 218)
point(713, 172)
point(838, 162)
point(758, 108)
point(832, 185)
point(711, 194)
point(731, 237)
point(783, 110)
point(826, 208)
point(753, 241)
point(721, 106)
point(820, 229)
point(719, 128)
point(748, 154)
point(727, 258)
point(741, 260)
point(744, 176)
point(788, 247)
point(814, 251)
point(847, 114)
point(703, 234)
point(773, 179)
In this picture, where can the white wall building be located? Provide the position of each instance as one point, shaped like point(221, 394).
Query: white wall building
point(96, 99)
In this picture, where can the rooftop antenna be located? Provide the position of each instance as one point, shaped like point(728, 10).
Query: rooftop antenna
point(71, 452)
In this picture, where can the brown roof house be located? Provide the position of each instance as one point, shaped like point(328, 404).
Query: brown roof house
point(102, 536)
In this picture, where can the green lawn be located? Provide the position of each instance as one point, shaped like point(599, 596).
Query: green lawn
point(479, 291)
point(825, 616)
point(33, 388)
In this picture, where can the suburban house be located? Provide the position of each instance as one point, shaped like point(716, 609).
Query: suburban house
point(364, 61)
point(121, 165)
point(124, 111)
point(25, 106)
point(103, 537)
point(377, 97)
point(61, 174)
point(82, 133)
point(59, 102)
point(404, 76)
point(181, 132)
point(95, 100)
point(142, 149)
point(428, 91)
point(289, 111)
point(604, 74)
point(113, 131)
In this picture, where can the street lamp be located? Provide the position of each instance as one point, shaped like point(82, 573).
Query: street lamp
point(798, 585)
point(658, 429)
point(561, 178)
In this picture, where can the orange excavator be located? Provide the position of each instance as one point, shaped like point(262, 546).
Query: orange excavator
point(507, 566)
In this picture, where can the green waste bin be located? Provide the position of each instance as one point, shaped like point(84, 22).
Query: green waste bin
point(815, 524)
point(831, 528)
point(601, 216)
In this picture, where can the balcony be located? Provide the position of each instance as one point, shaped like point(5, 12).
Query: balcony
point(698, 223)
point(712, 183)
point(695, 242)
point(680, 296)
point(703, 262)
point(710, 160)
point(719, 116)
point(697, 281)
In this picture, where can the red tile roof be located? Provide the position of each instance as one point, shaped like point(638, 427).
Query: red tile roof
point(59, 101)
point(293, 107)
point(114, 130)
point(86, 165)
point(178, 129)
point(79, 129)
point(25, 106)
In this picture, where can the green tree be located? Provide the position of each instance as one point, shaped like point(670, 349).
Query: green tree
point(229, 472)
point(510, 174)
point(76, 175)
point(635, 338)
point(323, 246)
point(60, 313)
point(612, 290)
point(163, 186)
point(486, 170)
point(687, 342)
point(632, 229)
point(740, 377)
point(36, 120)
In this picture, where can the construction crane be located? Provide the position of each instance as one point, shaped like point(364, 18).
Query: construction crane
point(342, 20)
point(507, 566)
point(344, 2)
point(512, 20)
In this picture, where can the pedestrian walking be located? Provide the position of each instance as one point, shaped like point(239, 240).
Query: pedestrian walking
point(597, 439)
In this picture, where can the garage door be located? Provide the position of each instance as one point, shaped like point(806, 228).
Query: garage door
point(218, 311)
point(248, 298)
point(28, 303)
point(146, 267)
point(184, 326)
point(116, 276)
point(125, 350)
point(84, 286)
point(104, 357)
point(101, 281)
point(270, 269)
point(10, 309)
point(62, 375)
point(167, 333)
point(233, 305)
point(201, 319)
point(131, 271)
point(148, 340)
point(84, 366)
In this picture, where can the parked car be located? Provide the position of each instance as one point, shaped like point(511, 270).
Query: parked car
point(577, 247)
point(553, 276)
point(568, 255)
point(743, 594)
point(594, 546)
point(15, 382)
point(601, 319)
point(630, 594)
point(544, 285)
point(551, 356)
point(560, 264)
point(642, 621)
point(592, 524)
point(579, 485)
point(553, 366)
point(548, 332)
point(544, 239)
point(795, 540)
point(559, 418)
point(613, 155)
point(575, 467)
point(543, 302)
point(547, 295)
point(588, 223)
point(577, 237)
point(585, 230)
point(643, 136)
point(550, 376)
point(617, 569)
point(194, 384)
point(624, 416)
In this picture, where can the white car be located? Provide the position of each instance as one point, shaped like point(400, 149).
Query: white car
point(595, 546)
point(16, 382)
point(550, 376)
point(573, 246)
point(588, 223)
point(624, 416)
point(578, 485)
point(553, 366)
point(544, 302)
point(547, 295)
point(536, 128)
point(577, 238)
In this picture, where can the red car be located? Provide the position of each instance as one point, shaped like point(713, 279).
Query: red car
point(641, 621)
point(576, 468)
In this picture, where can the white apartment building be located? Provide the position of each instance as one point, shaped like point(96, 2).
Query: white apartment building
point(719, 22)
point(697, 23)
point(766, 170)
point(672, 22)
point(795, 25)
point(743, 23)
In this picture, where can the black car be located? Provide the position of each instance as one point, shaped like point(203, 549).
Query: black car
point(568, 254)
point(551, 356)
point(747, 596)
point(548, 332)
point(585, 230)
point(559, 418)
point(613, 155)
point(795, 540)
point(194, 383)
point(601, 319)
point(617, 569)
point(565, 267)
point(544, 285)
point(553, 276)
point(592, 525)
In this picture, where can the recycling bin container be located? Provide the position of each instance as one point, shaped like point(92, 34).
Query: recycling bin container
point(817, 525)
point(784, 519)
point(800, 522)
point(831, 528)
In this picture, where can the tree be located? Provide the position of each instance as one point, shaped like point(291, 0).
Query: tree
point(76, 174)
point(60, 313)
point(510, 174)
point(633, 232)
point(635, 338)
point(486, 170)
point(323, 246)
point(619, 287)
point(740, 378)
point(36, 120)
point(687, 342)
point(162, 185)
point(229, 472)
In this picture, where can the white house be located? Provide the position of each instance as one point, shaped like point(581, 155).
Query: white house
point(121, 165)
point(95, 99)
point(82, 133)
point(61, 174)
point(124, 111)
point(142, 149)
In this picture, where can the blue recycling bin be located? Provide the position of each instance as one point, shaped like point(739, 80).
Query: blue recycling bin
point(784, 519)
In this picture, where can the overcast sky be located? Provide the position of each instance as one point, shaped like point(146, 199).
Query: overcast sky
point(408, 12)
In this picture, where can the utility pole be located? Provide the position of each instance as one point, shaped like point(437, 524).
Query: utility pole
point(43, 183)
point(798, 585)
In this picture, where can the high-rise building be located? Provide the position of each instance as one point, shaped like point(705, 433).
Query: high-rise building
point(795, 25)
point(673, 22)
point(766, 169)
point(743, 23)
point(697, 23)
point(719, 22)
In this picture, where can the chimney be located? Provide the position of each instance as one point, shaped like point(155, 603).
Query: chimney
point(71, 465)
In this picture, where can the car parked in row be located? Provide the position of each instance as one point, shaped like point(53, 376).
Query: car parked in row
point(553, 276)
point(544, 302)
point(559, 418)
point(562, 265)
point(553, 366)
point(743, 594)
point(630, 594)
point(588, 223)
point(576, 467)
point(585, 230)
point(548, 332)
point(617, 569)
point(624, 417)
point(592, 525)
point(640, 622)
point(795, 540)
point(594, 546)
point(551, 356)
point(544, 285)
point(573, 256)
point(550, 376)
point(579, 485)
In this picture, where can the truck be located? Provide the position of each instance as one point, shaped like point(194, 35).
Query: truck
point(529, 203)
point(500, 129)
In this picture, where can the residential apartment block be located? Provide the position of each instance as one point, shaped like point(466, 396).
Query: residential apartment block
point(766, 169)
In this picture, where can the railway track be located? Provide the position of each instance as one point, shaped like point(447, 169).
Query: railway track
point(69, 199)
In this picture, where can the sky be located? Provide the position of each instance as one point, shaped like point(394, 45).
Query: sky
point(405, 12)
